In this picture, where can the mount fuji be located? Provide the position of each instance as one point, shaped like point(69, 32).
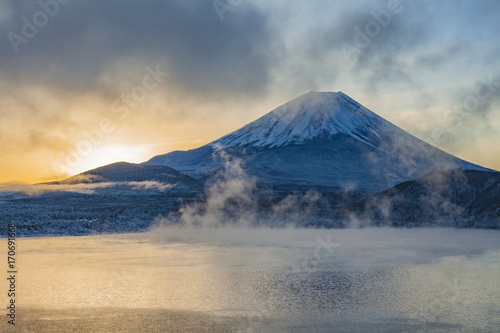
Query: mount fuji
point(321, 160)
point(319, 139)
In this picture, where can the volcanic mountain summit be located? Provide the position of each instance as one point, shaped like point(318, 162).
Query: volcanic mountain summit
point(320, 139)
point(319, 160)
point(305, 118)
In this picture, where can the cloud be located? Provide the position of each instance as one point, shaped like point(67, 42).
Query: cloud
point(7, 189)
point(230, 199)
point(470, 115)
point(394, 45)
point(103, 45)
point(63, 81)
point(97, 41)
point(234, 199)
point(150, 185)
point(355, 246)
point(79, 187)
point(432, 53)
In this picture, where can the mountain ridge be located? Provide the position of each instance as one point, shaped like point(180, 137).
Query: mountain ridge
point(340, 173)
point(124, 171)
point(320, 138)
point(466, 198)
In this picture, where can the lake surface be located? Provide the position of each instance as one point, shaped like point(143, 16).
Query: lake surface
point(261, 280)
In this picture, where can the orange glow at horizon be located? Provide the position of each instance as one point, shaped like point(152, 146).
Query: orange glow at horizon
point(34, 145)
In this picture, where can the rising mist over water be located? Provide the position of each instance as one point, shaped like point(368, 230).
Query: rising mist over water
point(264, 280)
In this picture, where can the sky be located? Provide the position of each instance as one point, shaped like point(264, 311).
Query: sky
point(87, 83)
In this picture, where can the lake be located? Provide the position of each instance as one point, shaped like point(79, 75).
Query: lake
point(260, 280)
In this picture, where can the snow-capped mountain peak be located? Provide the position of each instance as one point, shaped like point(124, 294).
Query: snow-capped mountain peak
point(320, 138)
point(305, 118)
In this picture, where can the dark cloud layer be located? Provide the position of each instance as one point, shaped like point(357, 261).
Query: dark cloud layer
point(88, 38)
point(423, 35)
point(420, 46)
point(63, 81)
point(88, 43)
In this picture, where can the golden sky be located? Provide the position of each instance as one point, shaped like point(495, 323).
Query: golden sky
point(94, 83)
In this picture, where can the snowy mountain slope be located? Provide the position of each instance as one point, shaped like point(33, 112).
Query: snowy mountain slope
point(305, 118)
point(320, 138)
point(325, 141)
point(133, 197)
point(130, 172)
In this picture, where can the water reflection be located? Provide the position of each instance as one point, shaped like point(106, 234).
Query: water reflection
point(379, 280)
